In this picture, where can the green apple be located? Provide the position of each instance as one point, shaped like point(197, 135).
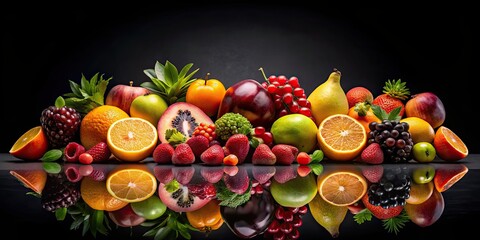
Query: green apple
point(423, 174)
point(424, 152)
point(149, 107)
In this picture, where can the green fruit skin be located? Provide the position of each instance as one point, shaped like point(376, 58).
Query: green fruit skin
point(149, 107)
point(424, 174)
point(150, 208)
point(424, 152)
point(296, 130)
point(296, 192)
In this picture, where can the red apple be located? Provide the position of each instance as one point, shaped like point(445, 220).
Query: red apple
point(250, 99)
point(126, 217)
point(426, 106)
point(428, 212)
point(122, 96)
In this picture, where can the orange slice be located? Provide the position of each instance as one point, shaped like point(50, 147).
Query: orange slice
point(132, 139)
point(33, 179)
point(341, 137)
point(447, 176)
point(448, 145)
point(341, 188)
point(131, 183)
point(31, 145)
point(95, 195)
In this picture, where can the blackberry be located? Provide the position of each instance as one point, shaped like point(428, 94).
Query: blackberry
point(394, 139)
point(60, 125)
point(59, 192)
point(392, 190)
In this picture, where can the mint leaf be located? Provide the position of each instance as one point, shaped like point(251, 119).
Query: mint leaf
point(172, 186)
point(363, 216)
point(59, 102)
point(394, 114)
point(379, 112)
point(254, 142)
point(316, 168)
point(174, 137)
point(52, 155)
point(61, 213)
point(316, 156)
point(51, 167)
point(229, 198)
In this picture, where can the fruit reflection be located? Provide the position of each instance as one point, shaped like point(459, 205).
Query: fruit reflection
point(249, 200)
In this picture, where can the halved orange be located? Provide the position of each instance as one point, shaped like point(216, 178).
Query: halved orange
point(341, 137)
point(448, 145)
point(341, 187)
point(31, 145)
point(131, 183)
point(447, 176)
point(132, 139)
point(95, 195)
point(33, 179)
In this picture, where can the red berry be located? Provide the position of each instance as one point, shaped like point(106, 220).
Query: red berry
point(297, 222)
point(298, 92)
point(302, 102)
point(73, 174)
point(288, 216)
point(72, 151)
point(287, 98)
point(302, 210)
point(271, 88)
point(230, 160)
point(278, 104)
point(267, 138)
point(259, 131)
point(294, 210)
point(305, 111)
point(279, 236)
point(282, 113)
point(272, 78)
point(279, 213)
point(264, 85)
point(85, 170)
point(282, 79)
point(286, 227)
point(275, 83)
point(294, 107)
point(295, 234)
point(287, 88)
point(293, 81)
point(303, 158)
point(273, 227)
point(85, 158)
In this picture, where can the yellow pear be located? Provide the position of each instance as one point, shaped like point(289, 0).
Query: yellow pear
point(328, 98)
point(327, 215)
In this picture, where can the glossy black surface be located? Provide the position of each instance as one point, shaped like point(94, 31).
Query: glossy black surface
point(23, 215)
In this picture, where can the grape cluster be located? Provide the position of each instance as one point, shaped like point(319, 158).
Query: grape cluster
point(59, 192)
point(288, 96)
point(392, 190)
point(394, 139)
point(286, 223)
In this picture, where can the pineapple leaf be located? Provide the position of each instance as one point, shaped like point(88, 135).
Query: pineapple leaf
point(150, 73)
point(191, 74)
point(171, 74)
point(184, 70)
point(153, 88)
point(160, 71)
point(161, 84)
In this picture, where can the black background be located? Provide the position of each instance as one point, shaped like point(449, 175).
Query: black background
point(432, 50)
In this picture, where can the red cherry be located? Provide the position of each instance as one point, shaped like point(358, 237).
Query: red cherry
point(305, 111)
point(259, 131)
point(267, 138)
point(287, 88)
point(294, 107)
point(287, 98)
point(302, 102)
point(282, 79)
point(298, 92)
point(294, 82)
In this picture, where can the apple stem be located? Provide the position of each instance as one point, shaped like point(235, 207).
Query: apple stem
point(206, 78)
point(264, 76)
point(131, 83)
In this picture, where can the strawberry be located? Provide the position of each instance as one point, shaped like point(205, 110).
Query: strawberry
point(358, 94)
point(230, 170)
point(213, 155)
point(99, 152)
point(183, 174)
point(380, 212)
point(239, 182)
point(97, 175)
point(198, 144)
point(373, 173)
point(238, 145)
point(263, 174)
point(372, 154)
point(164, 174)
point(303, 170)
point(285, 153)
point(394, 93)
point(211, 174)
point(183, 155)
point(285, 173)
point(263, 155)
point(163, 153)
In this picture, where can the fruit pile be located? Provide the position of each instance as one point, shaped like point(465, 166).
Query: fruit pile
point(177, 119)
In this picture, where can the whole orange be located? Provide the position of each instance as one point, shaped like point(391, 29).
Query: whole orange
point(206, 94)
point(95, 124)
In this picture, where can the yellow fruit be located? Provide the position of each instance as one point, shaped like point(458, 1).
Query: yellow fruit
point(341, 137)
point(342, 187)
point(297, 130)
point(132, 139)
point(328, 98)
point(327, 215)
point(95, 195)
point(95, 124)
point(131, 183)
point(31, 145)
point(420, 193)
point(420, 130)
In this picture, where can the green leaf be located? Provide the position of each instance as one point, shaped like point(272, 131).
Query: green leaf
point(191, 74)
point(363, 216)
point(52, 155)
point(185, 234)
point(34, 194)
point(59, 102)
point(162, 86)
point(52, 167)
point(162, 233)
point(83, 106)
point(75, 88)
point(172, 186)
point(76, 223)
point(394, 114)
point(317, 156)
point(379, 112)
point(86, 226)
point(174, 137)
point(185, 70)
point(152, 88)
point(317, 168)
point(396, 223)
point(160, 71)
point(150, 73)
point(229, 198)
point(85, 84)
point(61, 213)
point(254, 142)
point(171, 73)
